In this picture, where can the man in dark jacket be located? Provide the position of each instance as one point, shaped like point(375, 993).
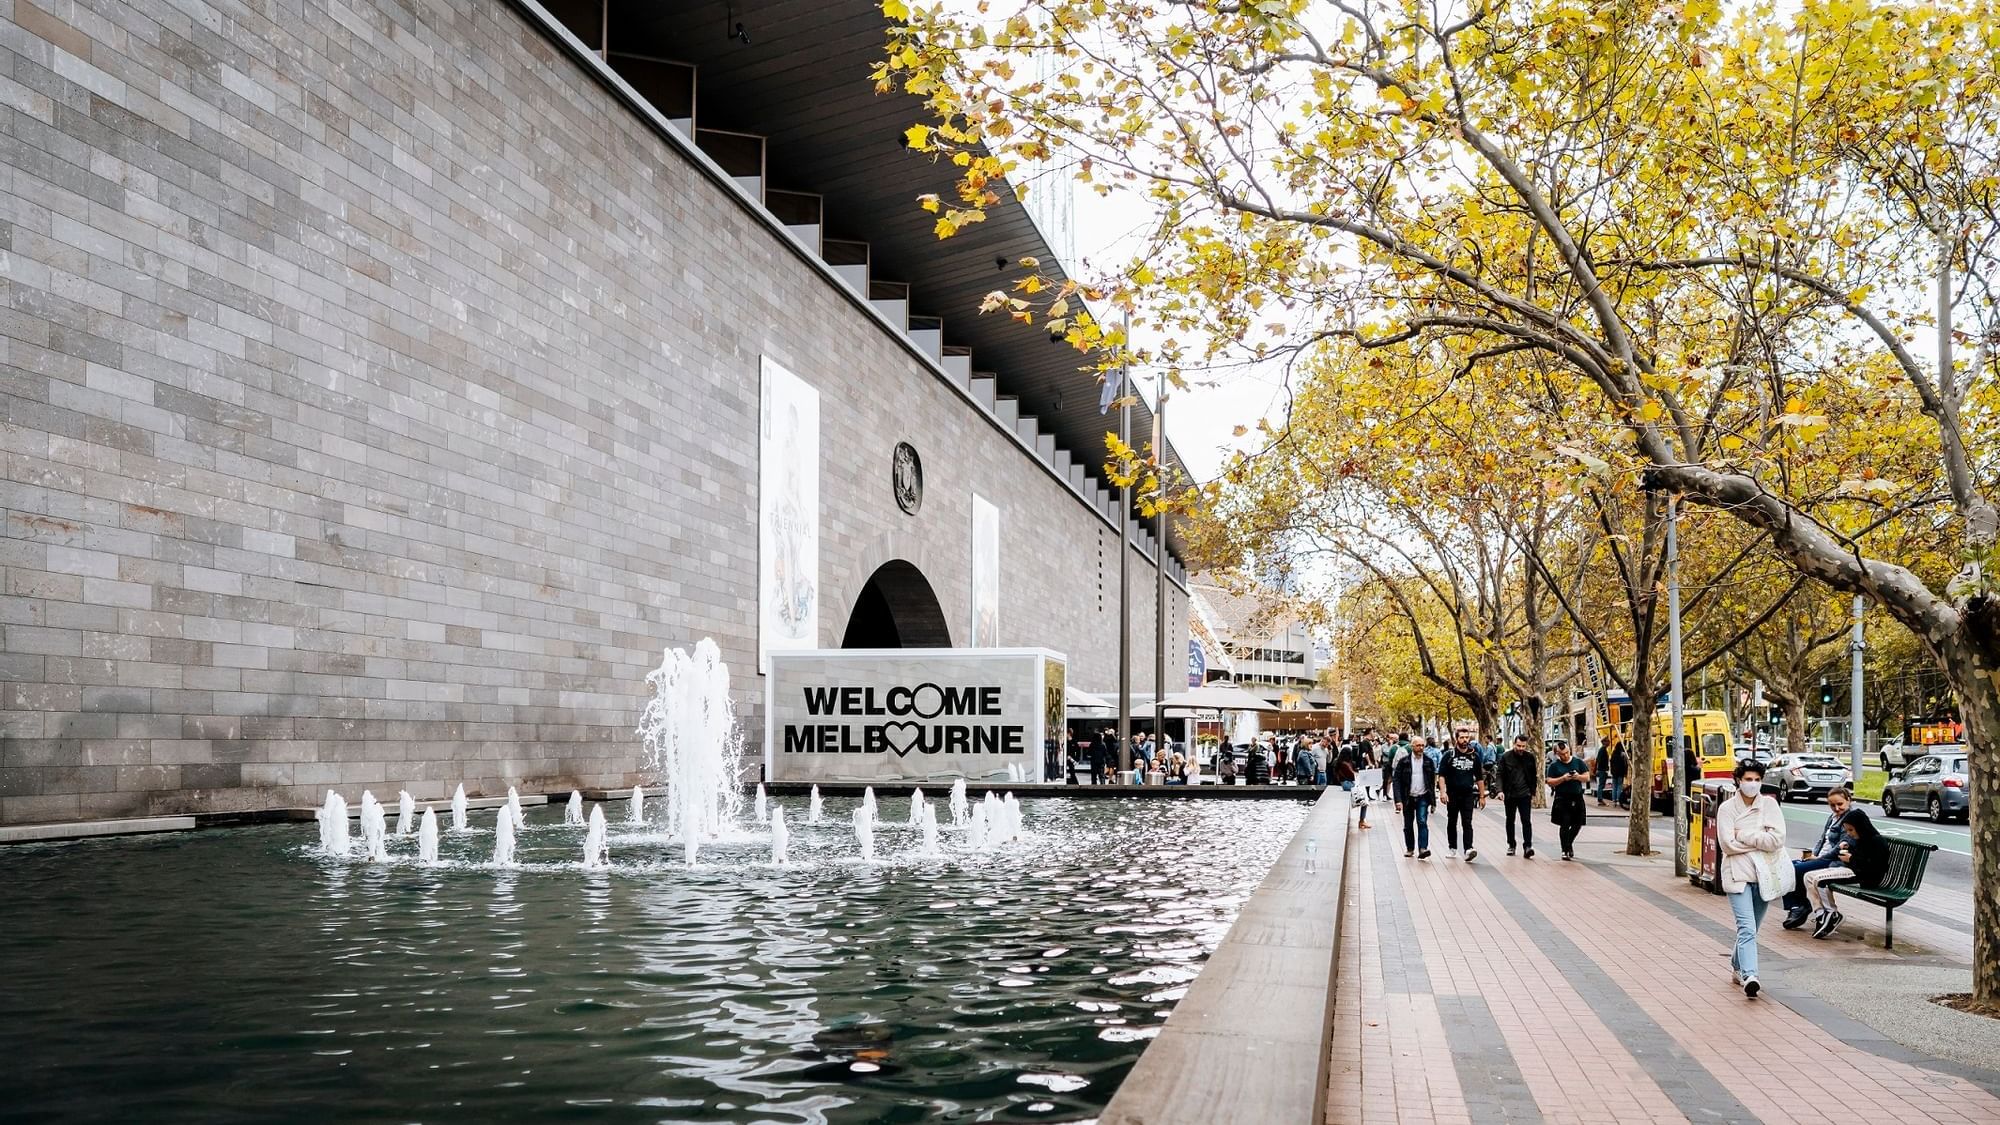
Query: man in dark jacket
point(1416, 787)
point(1464, 777)
point(1600, 771)
point(1520, 773)
point(1621, 769)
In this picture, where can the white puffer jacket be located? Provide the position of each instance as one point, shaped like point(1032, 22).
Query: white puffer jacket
point(1753, 845)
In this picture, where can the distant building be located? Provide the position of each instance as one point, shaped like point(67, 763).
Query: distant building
point(1265, 647)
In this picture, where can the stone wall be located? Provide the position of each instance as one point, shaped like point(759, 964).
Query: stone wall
point(380, 398)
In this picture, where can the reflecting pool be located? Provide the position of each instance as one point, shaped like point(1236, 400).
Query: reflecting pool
point(243, 975)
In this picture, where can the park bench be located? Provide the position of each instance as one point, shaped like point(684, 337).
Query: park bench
point(1904, 875)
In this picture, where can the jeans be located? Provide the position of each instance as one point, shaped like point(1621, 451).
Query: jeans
point(1567, 833)
point(1801, 868)
point(1520, 807)
point(1457, 811)
point(1416, 825)
point(1748, 905)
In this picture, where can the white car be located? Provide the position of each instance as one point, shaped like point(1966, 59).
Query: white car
point(1807, 776)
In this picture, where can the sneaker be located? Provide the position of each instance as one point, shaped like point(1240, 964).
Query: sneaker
point(1795, 918)
point(1567, 857)
point(1510, 849)
point(1470, 853)
point(1453, 853)
point(1425, 854)
point(1751, 987)
point(1827, 925)
point(1530, 853)
point(1409, 855)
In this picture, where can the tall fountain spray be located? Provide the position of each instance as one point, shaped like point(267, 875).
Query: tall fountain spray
point(374, 828)
point(636, 812)
point(406, 813)
point(864, 833)
point(334, 830)
point(868, 805)
point(596, 853)
point(813, 809)
point(762, 814)
point(916, 807)
point(692, 744)
point(976, 829)
point(514, 809)
point(927, 826)
point(781, 838)
point(959, 805)
point(503, 839)
point(573, 812)
point(458, 823)
point(427, 839)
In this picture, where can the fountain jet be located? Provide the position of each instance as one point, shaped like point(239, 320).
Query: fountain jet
point(763, 815)
point(864, 833)
point(781, 838)
point(458, 823)
point(374, 829)
point(427, 839)
point(573, 813)
point(917, 807)
point(637, 813)
point(813, 809)
point(503, 839)
point(514, 809)
point(334, 836)
point(959, 805)
point(927, 826)
point(693, 744)
point(596, 853)
point(406, 813)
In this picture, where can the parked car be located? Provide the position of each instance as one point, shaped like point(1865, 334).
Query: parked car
point(1899, 752)
point(1804, 776)
point(1935, 784)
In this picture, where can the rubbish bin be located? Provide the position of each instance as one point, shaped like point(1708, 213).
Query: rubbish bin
point(1708, 873)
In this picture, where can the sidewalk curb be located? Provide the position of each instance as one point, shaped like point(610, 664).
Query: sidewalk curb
point(1251, 1043)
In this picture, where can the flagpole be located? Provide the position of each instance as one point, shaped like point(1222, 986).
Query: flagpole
point(1124, 561)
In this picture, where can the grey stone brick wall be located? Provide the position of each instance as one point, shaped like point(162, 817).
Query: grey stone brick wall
point(380, 398)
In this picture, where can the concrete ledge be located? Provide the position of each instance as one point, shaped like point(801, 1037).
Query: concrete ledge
point(82, 829)
point(1251, 1042)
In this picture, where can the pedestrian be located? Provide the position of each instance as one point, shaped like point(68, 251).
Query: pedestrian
point(1750, 828)
point(1863, 858)
point(1621, 767)
point(1225, 763)
point(1600, 771)
point(1464, 790)
point(1821, 855)
point(1565, 780)
point(1416, 785)
point(1320, 754)
point(1517, 769)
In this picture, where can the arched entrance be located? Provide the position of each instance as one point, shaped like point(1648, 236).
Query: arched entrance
point(896, 609)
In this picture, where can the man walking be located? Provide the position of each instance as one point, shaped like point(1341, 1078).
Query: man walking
point(1565, 780)
point(1621, 767)
point(1519, 774)
point(1600, 771)
point(1819, 858)
point(1415, 786)
point(1464, 790)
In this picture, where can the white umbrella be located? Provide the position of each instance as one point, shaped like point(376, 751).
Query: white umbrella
point(1075, 700)
point(1218, 695)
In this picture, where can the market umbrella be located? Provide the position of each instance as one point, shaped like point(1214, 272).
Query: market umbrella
point(1074, 700)
point(1219, 695)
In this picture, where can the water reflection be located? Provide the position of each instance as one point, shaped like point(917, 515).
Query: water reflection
point(237, 975)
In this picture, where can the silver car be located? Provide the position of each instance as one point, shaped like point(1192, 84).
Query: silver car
point(1804, 776)
point(1935, 784)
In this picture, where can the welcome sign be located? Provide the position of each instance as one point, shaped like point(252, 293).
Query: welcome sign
point(910, 714)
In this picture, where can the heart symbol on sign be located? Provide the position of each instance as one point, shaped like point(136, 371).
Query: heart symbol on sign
point(902, 737)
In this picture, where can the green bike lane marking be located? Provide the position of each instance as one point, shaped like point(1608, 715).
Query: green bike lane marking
point(1958, 842)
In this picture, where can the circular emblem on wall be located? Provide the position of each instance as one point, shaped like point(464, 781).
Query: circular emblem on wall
point(906, 476)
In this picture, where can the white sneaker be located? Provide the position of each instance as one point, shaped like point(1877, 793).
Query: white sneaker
point(1750, 986)
point(1454, 853)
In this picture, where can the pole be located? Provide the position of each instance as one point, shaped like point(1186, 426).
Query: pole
point(1160, 559)
point(1674, 754)
point(1125, 564)
point(1855, 734)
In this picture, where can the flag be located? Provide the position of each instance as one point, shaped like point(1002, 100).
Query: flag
point(1114, 388)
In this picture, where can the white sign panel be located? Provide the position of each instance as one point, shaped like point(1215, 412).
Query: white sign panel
point(882, 715)
point(985, 573)
point(787, 514)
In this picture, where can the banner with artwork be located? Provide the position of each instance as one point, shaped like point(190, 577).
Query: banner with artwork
point(985, 573)
point(787, 514)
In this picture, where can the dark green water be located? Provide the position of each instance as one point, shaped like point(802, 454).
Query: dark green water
point(236, 976)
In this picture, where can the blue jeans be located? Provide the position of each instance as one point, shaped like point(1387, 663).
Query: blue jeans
point(1416, 825)
point(1797, 899)
point(1748, 905)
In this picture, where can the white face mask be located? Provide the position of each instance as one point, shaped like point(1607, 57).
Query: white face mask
point(1750, 787)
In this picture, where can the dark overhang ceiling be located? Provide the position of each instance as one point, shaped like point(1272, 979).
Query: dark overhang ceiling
point(803, 82)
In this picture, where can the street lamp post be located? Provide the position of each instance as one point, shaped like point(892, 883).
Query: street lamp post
point(1857, 738)
point(1675, 756)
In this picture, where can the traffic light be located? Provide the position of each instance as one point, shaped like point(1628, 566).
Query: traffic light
point(1825, 694)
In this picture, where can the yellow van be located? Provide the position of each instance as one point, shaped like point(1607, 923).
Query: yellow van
point(1706, 731)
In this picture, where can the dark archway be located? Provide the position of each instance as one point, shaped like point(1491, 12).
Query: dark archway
point(896, 609)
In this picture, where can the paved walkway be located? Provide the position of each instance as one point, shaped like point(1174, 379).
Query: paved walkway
point(1514, 990)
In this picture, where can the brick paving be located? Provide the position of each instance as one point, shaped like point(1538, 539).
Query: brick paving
point(1515, 990)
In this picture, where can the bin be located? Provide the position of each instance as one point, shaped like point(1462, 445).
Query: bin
point(1708, 873)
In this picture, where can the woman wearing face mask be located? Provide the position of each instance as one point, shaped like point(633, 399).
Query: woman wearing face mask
point(1755, 872)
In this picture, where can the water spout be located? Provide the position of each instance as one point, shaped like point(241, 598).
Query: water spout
point(458, 823)
point(427, 839)
point(868, 805)
point(596, 853)
point(813, 809)
point(514, 809)
point(693, 744)
point(763, 815)
point(864, 833)
point(927, 826)
point(374, 829)
point(959, 805)
point(573, 814)
point(916, 807)
point(636, 814)
point(781, 838)
point(406, 813)
point(334, 837)
point(503, 839)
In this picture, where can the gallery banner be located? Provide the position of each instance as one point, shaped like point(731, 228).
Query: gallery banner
point(787, 513)
point(883, 715)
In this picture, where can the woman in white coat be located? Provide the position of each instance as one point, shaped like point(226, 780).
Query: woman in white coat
point(1750, 828)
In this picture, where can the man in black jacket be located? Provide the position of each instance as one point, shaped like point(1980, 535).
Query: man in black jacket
point(1416, 787)
point(1464, 778)
point(1520, 773)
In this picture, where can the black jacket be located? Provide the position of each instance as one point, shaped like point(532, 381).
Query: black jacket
point(1520, 773)
point(1402, 779)
point(1868, 858)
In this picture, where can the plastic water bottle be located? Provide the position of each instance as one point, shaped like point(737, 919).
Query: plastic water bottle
point(1312, 853)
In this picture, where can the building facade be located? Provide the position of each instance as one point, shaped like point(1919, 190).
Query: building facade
point(1246, 634)
point(383, 393)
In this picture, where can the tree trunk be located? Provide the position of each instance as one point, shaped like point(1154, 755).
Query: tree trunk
point(1972, 665)
point(1795, 724)
point(1537, 723)
point(1639, 753)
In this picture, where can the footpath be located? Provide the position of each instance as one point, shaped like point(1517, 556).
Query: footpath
point(1517, 990)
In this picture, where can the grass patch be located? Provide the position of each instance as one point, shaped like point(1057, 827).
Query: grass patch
point(1868, 787)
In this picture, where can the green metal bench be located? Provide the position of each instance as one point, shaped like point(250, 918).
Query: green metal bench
point(1904, 875)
